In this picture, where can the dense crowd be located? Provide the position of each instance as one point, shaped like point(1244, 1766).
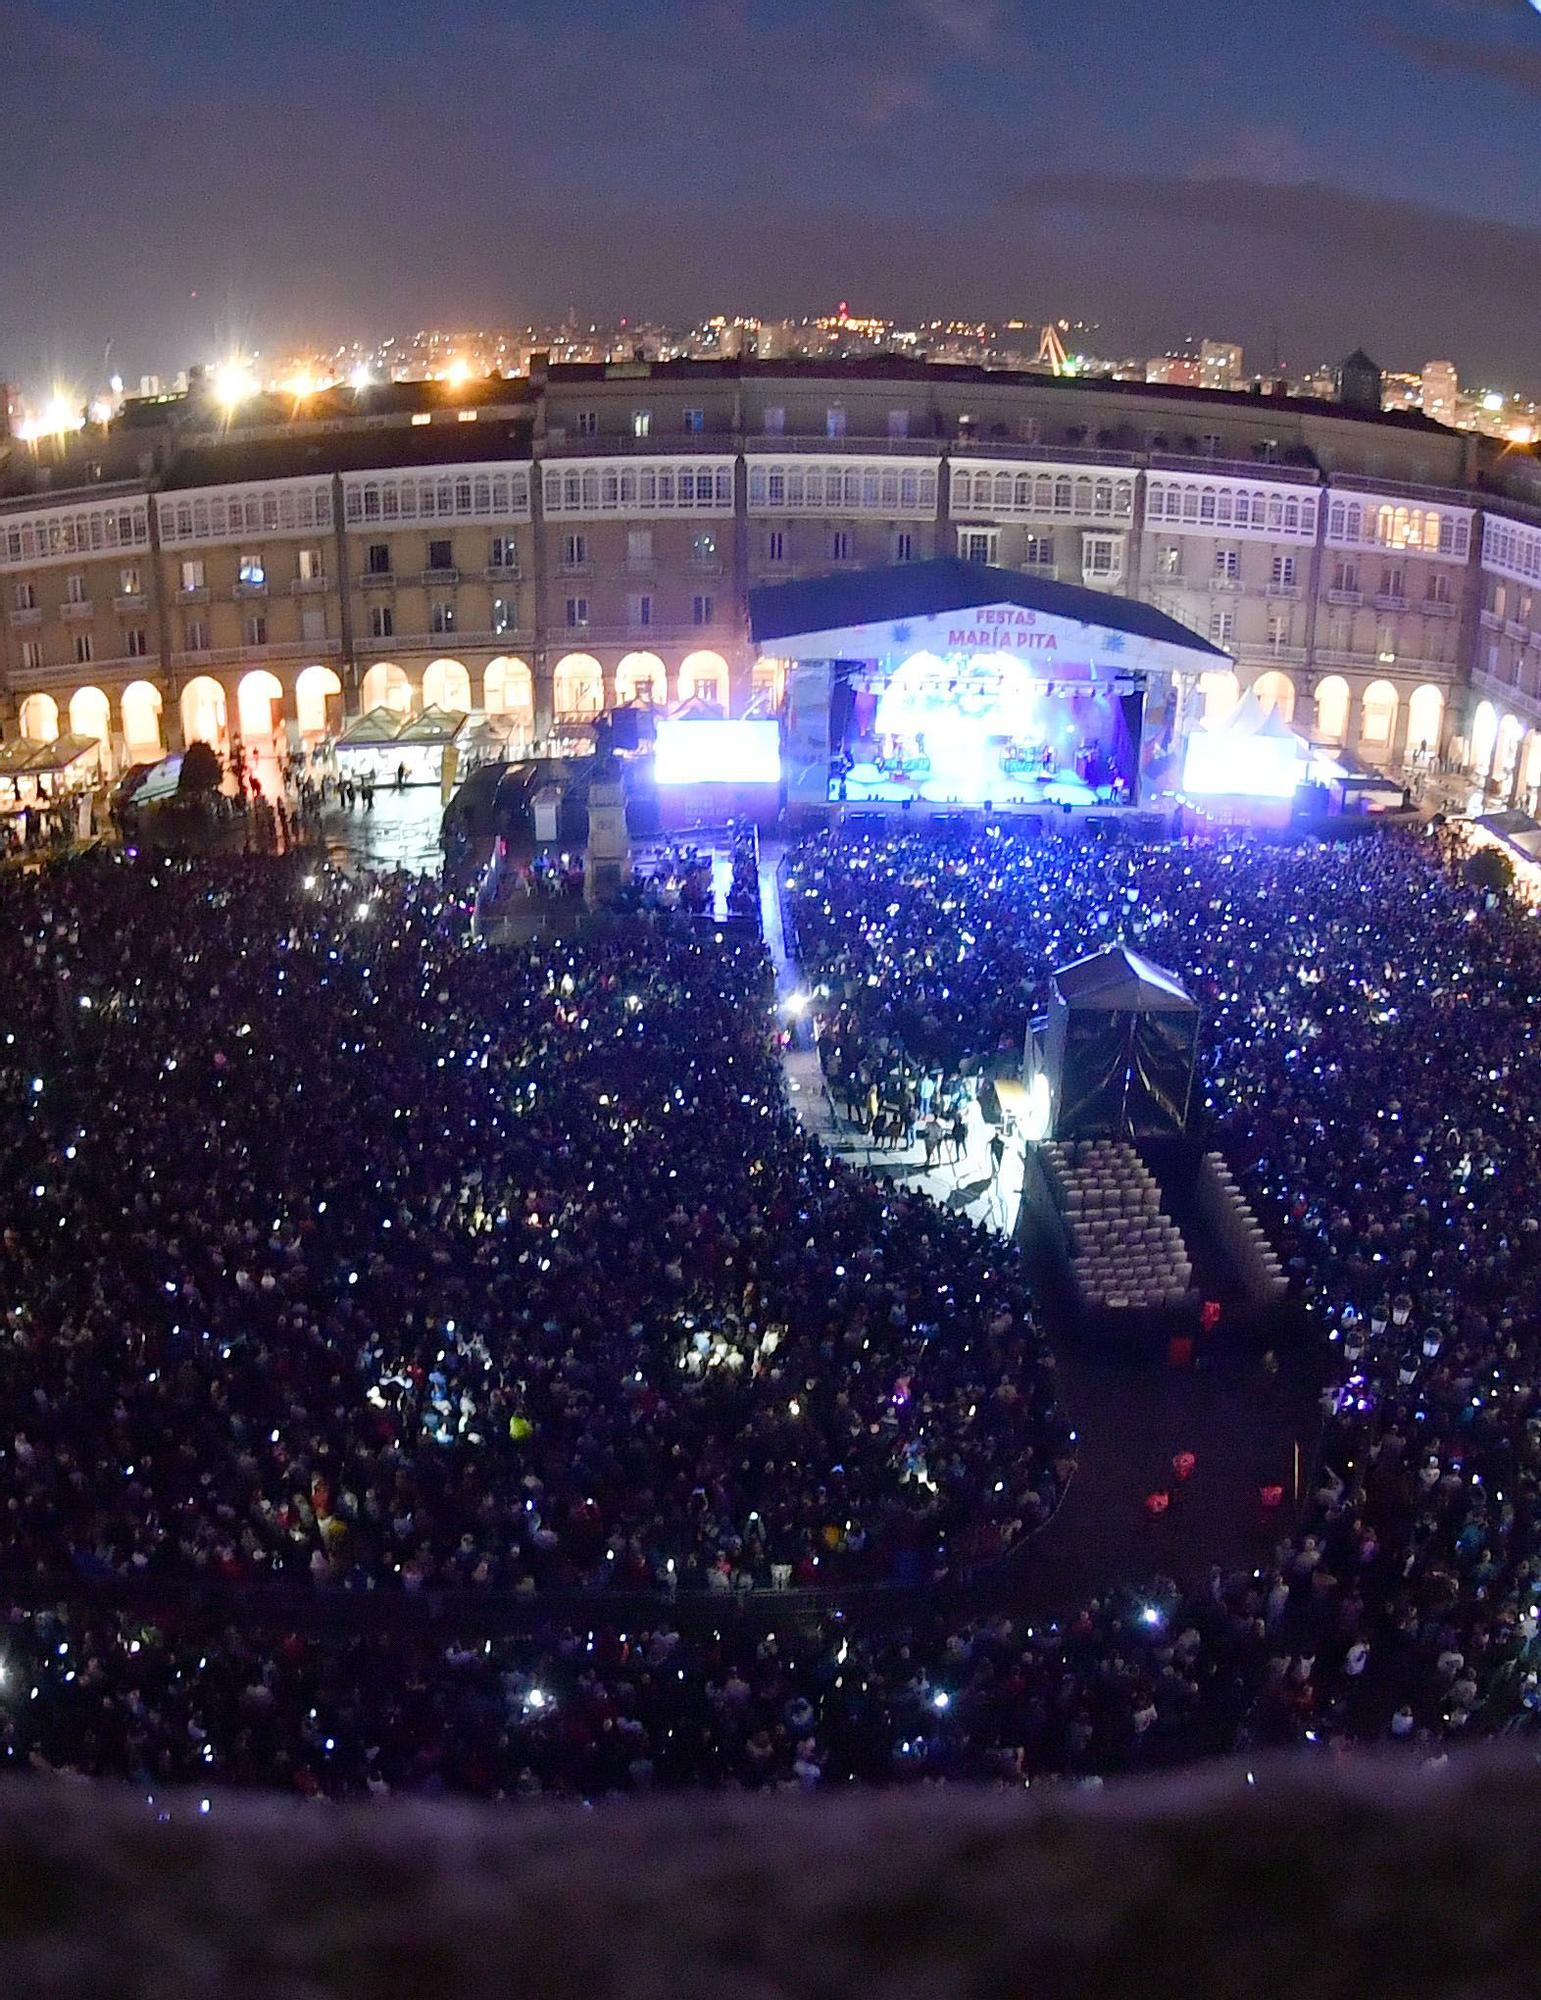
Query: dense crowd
point(339, 1245)
point(340, 1248)
point(1370, 1067)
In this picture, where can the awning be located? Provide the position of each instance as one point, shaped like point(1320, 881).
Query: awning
point(434, 725)
point(375, 725)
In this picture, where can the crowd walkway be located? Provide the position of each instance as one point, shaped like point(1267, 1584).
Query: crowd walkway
point(1248, 1427)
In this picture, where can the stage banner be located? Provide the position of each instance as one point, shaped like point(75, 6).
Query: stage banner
point(807, 748)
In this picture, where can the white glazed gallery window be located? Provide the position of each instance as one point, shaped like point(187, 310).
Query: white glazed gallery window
point(978, 545)
point(1102, 558)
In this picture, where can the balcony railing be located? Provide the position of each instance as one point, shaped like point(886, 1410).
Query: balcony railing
point(1345, 597)
point(130, 600)
point(77, 608)
point(502, 573)
point(1390, 600)
point(23, 615)
point(767, 444)
point(197, 593)
point(309, 586)
point(447, 575)
point(1265, 655)
point(323, 650)
point(249, 587)
point(1231, 583)
point(377, 579)
point(1285, 590)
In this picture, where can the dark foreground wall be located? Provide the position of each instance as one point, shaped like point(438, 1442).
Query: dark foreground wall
point(1370, 1882)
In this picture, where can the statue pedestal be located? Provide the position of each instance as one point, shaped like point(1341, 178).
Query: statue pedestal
point(607, 859)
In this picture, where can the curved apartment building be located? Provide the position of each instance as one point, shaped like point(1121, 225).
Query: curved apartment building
point(544, 547)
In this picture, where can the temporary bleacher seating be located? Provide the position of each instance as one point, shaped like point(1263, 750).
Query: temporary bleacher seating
point(1125, 1254)
point(1228, 1215)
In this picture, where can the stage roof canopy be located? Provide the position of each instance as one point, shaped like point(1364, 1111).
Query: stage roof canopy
point(1117, 979)
point(898, 594)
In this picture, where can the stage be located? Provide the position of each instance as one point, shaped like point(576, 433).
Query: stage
point(956, 685)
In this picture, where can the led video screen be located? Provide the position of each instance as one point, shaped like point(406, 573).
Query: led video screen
point(1247, 767)
point(706, 752)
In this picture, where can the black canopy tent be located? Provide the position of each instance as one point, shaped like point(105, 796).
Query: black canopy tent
point(1119, 1047)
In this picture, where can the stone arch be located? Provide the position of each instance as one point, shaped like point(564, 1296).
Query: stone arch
point(1275, 690)
point(314, 688)
point(205, 713)
point(1333, 701)
point(578, 686)
point(259, 706)
point(1506, 752)
point(447, 685)
point(39, 718)
point(1484, 736)
point(642, 677)
point(1530, 766)
point(1378, 707)
point(386, 686)
point(704, 677)
point(91, 715)
point(141, 708)
point(768, 686)
point(508, 688)
point(1221, 691)
point(1425, 719)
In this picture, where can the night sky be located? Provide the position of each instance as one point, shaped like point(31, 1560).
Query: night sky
point(1346, 172)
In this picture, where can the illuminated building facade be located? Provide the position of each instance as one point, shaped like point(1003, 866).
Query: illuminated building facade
point(540, 548)
point(1441, 392)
